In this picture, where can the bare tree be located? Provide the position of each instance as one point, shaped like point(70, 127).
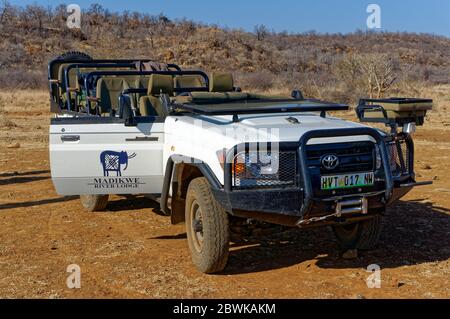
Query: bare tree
point(4, 9)
point(37, 14)
point(348, 70)
point(261, 32)
point(95, 14)
point(374, 73)
point(379, 71)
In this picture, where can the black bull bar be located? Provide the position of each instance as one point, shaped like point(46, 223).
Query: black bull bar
point(303, 164)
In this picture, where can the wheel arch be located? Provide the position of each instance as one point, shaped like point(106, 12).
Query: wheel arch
point(180, 171)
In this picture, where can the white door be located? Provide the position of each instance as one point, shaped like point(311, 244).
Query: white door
point(93, 155)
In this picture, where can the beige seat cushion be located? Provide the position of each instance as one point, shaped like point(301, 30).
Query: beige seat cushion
point(108, 92)
point(73, 83)
point(221, 82)
point(135, 82)
point(72, 73)
point(151, 106)
point(188, 81)
point(160, 84)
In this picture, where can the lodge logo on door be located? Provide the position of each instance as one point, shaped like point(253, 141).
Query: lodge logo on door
point(114, 164)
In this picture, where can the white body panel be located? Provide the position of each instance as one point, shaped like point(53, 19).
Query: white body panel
point(77, 167)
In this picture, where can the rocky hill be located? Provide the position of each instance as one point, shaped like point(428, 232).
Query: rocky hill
point(324, 65)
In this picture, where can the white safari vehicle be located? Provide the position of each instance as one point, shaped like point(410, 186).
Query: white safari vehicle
point(218, 154)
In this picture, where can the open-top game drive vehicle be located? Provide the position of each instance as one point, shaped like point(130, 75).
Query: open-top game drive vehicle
point(220, 154)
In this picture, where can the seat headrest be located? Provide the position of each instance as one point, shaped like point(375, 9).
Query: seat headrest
point(188, 81)
point(160, 83)
point(221, 82)
point(113, 83)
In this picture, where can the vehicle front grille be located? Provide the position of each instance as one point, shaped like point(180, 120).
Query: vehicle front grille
point(399, 154)
point(285, 172)
point(353, 157)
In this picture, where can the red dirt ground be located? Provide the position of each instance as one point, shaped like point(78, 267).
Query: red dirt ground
point(131, 252)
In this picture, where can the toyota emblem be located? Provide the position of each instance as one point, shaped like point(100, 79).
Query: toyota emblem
point(330, 162)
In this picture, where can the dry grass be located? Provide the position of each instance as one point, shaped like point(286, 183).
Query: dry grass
point(24, 101)
point(4, 121)
point(24, 118)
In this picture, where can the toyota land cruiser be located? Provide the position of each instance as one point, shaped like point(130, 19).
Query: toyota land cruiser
point(140, 127)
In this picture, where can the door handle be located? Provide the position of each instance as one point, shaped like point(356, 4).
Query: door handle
point(143, 139)
point(70, 138)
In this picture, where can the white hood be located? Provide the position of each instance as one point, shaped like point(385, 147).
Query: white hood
point(257, 128)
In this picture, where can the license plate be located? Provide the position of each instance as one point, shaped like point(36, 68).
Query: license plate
point(347, 181)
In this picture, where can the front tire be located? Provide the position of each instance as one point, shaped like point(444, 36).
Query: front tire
point(207, 228)
point(94, 203)
point(363, 235)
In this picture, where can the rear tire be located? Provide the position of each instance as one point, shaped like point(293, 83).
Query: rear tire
point(94, 203)
point(207, 228)
point(363, 235)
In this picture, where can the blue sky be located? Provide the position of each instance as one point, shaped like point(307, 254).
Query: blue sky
point(427, 16)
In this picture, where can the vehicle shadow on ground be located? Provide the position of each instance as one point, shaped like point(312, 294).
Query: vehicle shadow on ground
point(22, 180)
point(38, 202)
point(23, 177)
point(24, 173)
point(414, 232)
point(131, 202)
point(171, 237)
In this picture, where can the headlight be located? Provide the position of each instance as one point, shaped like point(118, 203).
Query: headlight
point(264, 169)
point(257, 165)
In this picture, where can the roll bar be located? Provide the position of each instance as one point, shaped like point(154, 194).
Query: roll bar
point(70, 61)
point(53, 86)
point(89, 65)
point(91, 75)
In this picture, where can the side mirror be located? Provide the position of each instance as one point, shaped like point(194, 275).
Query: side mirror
point(126, 111)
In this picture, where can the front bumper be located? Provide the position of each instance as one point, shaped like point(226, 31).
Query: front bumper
point(297, 205)
point(285, 206)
